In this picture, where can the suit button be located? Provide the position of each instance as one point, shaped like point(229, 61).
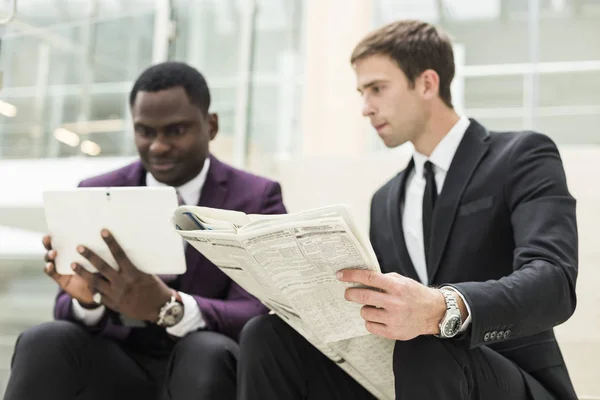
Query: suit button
point(486, 337)
point(500, 335)
point(507, 333)
point(493, 335)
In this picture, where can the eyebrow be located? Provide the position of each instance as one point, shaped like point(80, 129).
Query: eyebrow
point(370, 84)
point(169, 125)
point(140, 124)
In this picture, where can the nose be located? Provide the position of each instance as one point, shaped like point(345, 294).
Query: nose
point(159, 145)
point(368, 110)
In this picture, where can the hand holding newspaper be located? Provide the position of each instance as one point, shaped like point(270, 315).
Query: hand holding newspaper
point(289, 263)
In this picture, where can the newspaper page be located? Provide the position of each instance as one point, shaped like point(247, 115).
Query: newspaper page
point(289, 263)
point(301, 259)
point(228, 253)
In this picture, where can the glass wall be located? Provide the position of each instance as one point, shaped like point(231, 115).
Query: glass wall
point(215, 36)
point(67, 69)
point(67, 72)
point(524, 64)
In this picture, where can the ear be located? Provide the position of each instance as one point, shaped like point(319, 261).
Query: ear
point(213, 124)
point(430, 84)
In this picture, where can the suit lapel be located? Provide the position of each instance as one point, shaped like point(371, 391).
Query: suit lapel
point(395, 201)
point(469, 154)
point(214, 194)
point(215, 190)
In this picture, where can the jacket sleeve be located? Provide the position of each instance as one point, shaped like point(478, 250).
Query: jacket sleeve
point(546, 250)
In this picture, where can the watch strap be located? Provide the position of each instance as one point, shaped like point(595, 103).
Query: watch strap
point(452, 310)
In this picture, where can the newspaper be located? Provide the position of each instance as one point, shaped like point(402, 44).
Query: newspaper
point(289, 263)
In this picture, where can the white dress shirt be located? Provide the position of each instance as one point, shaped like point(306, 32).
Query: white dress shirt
point(192, 316)
point(412, 214)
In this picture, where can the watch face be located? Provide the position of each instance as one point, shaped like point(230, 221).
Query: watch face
point(452, 326)
point(173, 315)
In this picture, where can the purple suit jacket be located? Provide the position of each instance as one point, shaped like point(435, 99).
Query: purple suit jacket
point(225, 306)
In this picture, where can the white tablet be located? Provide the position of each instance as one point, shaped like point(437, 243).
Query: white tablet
point(138, 217)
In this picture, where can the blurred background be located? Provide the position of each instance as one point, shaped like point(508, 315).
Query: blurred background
point(284, 90)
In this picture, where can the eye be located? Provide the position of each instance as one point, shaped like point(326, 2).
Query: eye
point(176, 130)
point(377, 89)
point(143, 131)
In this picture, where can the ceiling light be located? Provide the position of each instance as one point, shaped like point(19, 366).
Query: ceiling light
point(7, 109)
point(67, 137)
point(90, 148)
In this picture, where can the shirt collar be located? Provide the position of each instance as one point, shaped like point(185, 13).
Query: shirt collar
point(189, 191)
point(444, 152)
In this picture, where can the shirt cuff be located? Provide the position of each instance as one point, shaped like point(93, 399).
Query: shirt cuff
point(192, 317)
point(89, 317)
point(467, 322)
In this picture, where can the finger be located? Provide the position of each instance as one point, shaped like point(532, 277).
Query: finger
point(378, 329)
point(102, 266)
point(368, 297)
point(86, 275)
point(50, 256)
point(366, 277)
point(118, 253)
point(51, 271)
point(101, 285)
point(97, 284)
point(47, 242)
point(374, 314)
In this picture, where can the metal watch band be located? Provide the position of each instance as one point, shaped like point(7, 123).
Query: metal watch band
point(164, 309)
point(450, 299)
point(452, 315)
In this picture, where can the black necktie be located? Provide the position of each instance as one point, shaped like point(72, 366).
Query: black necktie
point(429, 198)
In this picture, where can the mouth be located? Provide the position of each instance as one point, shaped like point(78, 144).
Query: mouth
point(162, 166)
point(379, 127)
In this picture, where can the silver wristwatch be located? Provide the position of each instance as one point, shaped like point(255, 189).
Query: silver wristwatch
point(171, 313)
point(450, 324)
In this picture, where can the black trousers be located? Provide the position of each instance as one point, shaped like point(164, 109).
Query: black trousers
point(277, 363)
point(61, 361)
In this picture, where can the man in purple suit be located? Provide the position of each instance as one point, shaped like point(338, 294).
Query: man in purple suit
point(126, 334)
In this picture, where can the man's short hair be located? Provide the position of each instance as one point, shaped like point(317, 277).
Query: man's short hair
point(173, 74)
point(415, 46)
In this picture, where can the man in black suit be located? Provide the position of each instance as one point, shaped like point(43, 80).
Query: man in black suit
point(476, 238)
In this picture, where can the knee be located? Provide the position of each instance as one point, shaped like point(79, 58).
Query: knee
point(264, 339)
point(414, 356)
point(210, 346)
point(205, 361)
point(49, 339)
point(422, 345)
point(47, 336)
point(260, 331)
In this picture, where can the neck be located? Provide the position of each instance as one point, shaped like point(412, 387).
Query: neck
point(193, 175)
point(441, 120)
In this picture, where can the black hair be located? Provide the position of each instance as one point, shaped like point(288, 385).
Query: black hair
point(173, 74)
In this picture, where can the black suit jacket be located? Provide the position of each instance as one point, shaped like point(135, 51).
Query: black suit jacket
point(505, 235)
